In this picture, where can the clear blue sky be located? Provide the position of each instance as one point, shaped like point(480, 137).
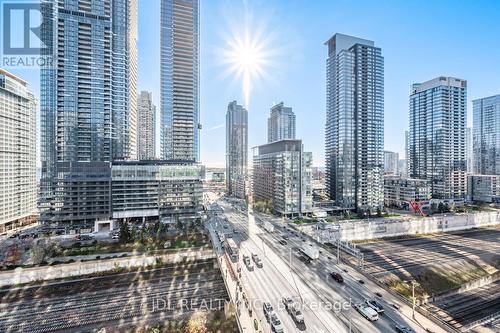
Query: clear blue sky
point(420, 39)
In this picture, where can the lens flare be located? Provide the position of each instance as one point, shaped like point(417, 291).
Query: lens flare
point(248, 57)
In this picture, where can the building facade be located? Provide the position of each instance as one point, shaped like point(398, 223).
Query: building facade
point(399, 192)
point(437, 147)
point(88, 105)
point(236, 150)
point(468, 151)
point(18, 184)
point(179, 83)
point(486, 135)
point(391, 163)
point(483, 188)
point(281, 123)
point(172, 192)
point(146, 131)
point(282, 176)
point(354, 123)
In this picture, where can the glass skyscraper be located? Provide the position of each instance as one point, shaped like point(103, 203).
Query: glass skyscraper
point(281, 123)
point(146, 133)
point(18, 186)
point(437, 136)
point(88, 105)
point(179, 101)
point(486, 135)
point(236, 149)
point(354, 123)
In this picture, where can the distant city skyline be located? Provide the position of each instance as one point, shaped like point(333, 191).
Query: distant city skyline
point(298, 74)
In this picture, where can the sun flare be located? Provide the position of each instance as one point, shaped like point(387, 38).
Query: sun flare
point(247, 57)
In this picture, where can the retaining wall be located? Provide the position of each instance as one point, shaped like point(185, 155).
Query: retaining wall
point(25, 275)
point(381, 228)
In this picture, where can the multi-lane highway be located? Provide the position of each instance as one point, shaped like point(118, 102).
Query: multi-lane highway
point(289, 275)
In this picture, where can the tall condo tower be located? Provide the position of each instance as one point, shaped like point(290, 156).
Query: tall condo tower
point(179, 101)
point(281, 123)
point(236, 149)
point(354, 123)
point(18, 185)
point(437, 136)
point(146, 133)
point(486, 135)
point(88, 106)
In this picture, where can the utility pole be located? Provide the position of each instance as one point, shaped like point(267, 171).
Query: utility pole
point(413, 284)
point(338, 250)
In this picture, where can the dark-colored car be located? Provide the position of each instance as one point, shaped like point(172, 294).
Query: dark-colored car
point(282, 242)
point(404, 329)
point(375, 305)
point(337, 277)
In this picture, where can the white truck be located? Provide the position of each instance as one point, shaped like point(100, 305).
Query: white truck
point(268, 226)
point(309, 251)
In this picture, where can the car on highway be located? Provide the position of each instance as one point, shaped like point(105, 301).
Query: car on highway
point(375, 305)
point(276, 325)
point(294, 311)
point(287, 302)
point(267, 308)
point(337, 277)
point(257, 260)
point(366, 311)
point(248, 263)
point(403, 329)
point(282, 242)
point(361, 281)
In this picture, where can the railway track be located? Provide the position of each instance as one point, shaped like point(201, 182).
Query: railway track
point(120, 303)
point(398, 256)
point(461, 310)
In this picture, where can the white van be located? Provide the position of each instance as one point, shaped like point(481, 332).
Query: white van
point(366, 311)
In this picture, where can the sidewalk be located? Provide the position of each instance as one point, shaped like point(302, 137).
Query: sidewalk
point(243, 317)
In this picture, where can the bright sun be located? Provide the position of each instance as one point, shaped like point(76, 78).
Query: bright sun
point(247, 58)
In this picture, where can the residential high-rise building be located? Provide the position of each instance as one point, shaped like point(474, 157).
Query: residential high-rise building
point(437, 148)
point(282, 177)
point(407, 153)
point(146, 131)
point(402, 168)
point(281, 123)
point(468, 151)
point(486, 135)
point(18, 185)
point(354, 123)
point(179, 101)
point(88, 106)
point(236, 149)
point(391, 162)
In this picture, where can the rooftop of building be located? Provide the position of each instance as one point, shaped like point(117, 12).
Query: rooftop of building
point(438, 81)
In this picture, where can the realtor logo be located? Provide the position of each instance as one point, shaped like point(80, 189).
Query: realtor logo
point(24, 26)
